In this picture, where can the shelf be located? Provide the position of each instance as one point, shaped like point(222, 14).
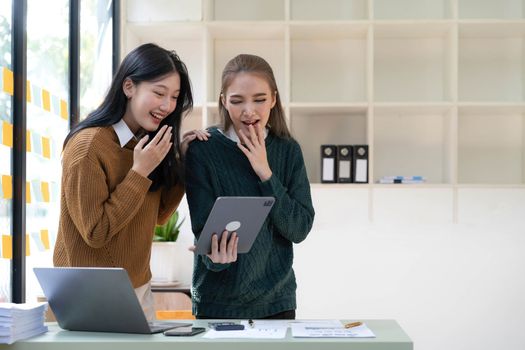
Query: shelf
point(328, 9)
point(343, 63)
point(491, 62)
point(227, 42)
point(311, 109)
point(412, 62)
point(502, 9)
point(163, 11)
point(413, 141)
point(192, 121)
point(328, 30)
point(412, 9)
point(434, 87)
point(253, 10)
point(330, 127)
point(186, 41)
point(491, 145)
point(246, 30)
point(213, 118)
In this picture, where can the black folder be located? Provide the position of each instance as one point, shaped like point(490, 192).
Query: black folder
point(360, 164)
point(328, 163)
point(344, 163)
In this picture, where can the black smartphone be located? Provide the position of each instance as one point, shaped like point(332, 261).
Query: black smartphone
point(184, 331)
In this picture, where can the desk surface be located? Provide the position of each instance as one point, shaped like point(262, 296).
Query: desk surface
point(389, 335)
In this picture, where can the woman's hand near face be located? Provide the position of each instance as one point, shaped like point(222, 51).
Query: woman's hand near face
point(189, 136)
point(254, 148)
point(146, 159)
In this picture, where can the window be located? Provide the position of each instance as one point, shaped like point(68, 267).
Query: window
point(47, 126)
point(6, 149)
point(96, 23)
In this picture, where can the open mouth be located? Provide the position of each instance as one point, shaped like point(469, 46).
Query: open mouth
point(157, 116)
point(252, 122)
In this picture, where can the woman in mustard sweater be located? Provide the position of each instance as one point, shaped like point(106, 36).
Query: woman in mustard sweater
point(122, 168)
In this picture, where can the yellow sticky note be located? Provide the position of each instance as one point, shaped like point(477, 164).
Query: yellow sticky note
point(28, 251)
point(7, 247)
point(46, 100)
point(28, 141)
point(8, 81)
point(7, 186)
point(46, 148)
point(45, 191)
point(28, 91)
point(63, 109)
point(44, 236)
point(28, 192)
point(7, 134)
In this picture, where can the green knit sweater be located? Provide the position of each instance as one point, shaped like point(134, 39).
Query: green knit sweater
point(261, 282)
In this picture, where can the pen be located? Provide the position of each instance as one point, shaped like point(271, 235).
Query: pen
point(250, 322)
point(353, 324)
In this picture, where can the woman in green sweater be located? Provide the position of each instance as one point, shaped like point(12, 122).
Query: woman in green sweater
point(251, 154)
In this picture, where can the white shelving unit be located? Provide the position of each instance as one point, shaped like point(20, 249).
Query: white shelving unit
point(435, 87)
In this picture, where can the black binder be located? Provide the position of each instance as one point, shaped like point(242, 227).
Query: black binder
point(328, 163)
point(360, 164)
point(344, 163)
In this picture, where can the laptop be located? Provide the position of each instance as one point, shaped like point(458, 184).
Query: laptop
point(96, 300)
point(244, 215)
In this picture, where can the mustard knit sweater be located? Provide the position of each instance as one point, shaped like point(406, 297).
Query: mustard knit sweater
point(107, 214)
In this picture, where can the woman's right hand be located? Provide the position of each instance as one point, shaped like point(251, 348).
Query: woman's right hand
point(146, 159)
point(226, 252)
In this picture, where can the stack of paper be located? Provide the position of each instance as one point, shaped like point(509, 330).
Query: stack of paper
point(21, 321)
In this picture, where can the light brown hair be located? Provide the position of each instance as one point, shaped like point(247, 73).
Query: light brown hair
point(245, 63)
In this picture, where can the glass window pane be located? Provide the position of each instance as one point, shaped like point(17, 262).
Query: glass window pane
point(47, 126)
point(6, 149)
point(96, 38)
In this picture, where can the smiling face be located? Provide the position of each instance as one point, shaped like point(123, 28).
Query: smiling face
point(248, 100)
point(149, 102)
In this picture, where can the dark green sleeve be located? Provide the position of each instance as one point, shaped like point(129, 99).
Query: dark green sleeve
point(293, 213)
point(200, 195)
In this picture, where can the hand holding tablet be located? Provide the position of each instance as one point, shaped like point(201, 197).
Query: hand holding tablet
point(242, 215)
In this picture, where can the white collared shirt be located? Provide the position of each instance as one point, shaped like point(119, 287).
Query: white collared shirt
point(232, 135)
point(123, 132)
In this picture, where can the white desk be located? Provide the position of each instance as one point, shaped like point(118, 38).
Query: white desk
point(389, 336)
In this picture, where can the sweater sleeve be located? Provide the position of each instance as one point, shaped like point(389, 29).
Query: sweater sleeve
point(98, 214)
point(292, 214)
point(201, 197)
point(169, 201)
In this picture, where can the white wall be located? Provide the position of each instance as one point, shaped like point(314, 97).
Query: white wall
point(449, 285)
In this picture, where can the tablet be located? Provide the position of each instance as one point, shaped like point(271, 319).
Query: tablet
point(244, 215)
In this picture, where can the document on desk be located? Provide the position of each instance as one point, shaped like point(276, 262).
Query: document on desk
point(320, 330)
point(259, 330)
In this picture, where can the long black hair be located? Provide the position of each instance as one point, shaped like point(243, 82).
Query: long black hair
point(148, 62)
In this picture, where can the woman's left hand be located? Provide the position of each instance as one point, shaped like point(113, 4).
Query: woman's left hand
point(189, 136)
point(254, 148)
